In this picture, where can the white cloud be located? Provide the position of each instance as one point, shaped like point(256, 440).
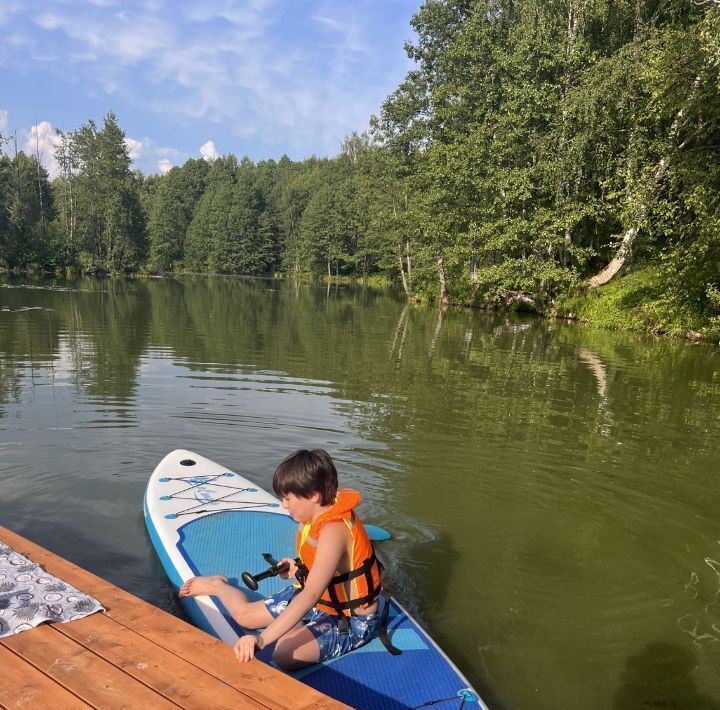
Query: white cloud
point(48, 21)
point(3, 121)
point(349, 31)
point(41, 141)
point(152, 158)
point(124, 37)
point(167, 152)
point(250, 17)
point(300, 77)
point(135, 148)
point(208, 151)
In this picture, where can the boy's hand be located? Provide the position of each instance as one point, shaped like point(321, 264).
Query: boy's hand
point(245, 647)
point(291, 570)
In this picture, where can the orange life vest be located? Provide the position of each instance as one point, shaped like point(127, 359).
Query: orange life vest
point(341, 598)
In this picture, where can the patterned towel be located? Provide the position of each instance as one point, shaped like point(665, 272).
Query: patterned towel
point(30, 596)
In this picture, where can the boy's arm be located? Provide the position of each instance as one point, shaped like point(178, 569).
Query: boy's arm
point(331, 546)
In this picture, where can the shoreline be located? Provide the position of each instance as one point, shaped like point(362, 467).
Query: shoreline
point(631, 303)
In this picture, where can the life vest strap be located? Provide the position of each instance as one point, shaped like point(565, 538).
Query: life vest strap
point(334, 602)
point(355, 573)
point(340, 607)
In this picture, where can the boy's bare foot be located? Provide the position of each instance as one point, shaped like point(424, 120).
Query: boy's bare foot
point(198, 586)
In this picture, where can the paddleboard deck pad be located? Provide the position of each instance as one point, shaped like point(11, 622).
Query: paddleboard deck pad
point(205, 519)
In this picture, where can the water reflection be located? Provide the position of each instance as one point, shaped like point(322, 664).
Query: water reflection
point(537, 477)
point(660, 676)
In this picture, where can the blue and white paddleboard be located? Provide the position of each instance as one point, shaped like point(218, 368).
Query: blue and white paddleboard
point(204, 519)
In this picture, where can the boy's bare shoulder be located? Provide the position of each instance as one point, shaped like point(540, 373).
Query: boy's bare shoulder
point(334, 529)
point(333, 525)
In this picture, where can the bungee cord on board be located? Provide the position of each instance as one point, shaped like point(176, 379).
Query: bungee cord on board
point(462, 695)
point(199, 481)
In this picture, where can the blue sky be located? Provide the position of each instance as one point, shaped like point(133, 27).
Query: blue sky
point(190, 77)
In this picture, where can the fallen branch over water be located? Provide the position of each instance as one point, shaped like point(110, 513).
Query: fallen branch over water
point(513, 297)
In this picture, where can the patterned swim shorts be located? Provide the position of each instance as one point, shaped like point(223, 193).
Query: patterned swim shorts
point(324, 626)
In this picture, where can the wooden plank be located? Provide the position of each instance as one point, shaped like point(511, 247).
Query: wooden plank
point(91, 678)
point(24, 686)
point(257, 680)
point(178, 680)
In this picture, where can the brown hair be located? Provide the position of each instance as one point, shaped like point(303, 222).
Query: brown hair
point(305, 472)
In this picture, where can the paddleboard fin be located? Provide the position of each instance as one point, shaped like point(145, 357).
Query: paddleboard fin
point(376, 533)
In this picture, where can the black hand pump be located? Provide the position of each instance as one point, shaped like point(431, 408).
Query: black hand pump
point(251, 580)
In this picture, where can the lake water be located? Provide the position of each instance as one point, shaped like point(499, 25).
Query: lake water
point(553, 490)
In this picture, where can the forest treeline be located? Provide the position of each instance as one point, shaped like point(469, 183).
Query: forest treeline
point(536, 147)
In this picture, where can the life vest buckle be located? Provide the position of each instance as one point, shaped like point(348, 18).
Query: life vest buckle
point(343, 625)
point(302, 572)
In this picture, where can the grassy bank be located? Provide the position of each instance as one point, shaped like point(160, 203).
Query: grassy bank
point(639, 302)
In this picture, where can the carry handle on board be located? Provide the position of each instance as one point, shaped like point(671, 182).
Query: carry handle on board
point(251, 580)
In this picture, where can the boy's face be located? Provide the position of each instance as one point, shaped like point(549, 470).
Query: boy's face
point(301, 509)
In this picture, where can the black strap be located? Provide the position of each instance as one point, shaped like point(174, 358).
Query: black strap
point(383, 630)
point(302, 572)
point(340, 607)
point(365, 568)
point(337, 605)
point(463, 695)
point(351, 605)
point(443, 700)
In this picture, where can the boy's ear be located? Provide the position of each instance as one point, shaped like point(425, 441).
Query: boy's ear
point(316, 497)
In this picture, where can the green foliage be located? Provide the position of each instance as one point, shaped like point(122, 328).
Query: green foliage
point(171, 212)
point(533, 133)
point(524, 146)
point(640, 301)
point(228, 233)
point(330, 222)
point(26, 208)
point(101, 224)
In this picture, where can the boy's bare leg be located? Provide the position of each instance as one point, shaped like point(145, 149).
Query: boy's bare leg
point(298, 648)
point(250, 615)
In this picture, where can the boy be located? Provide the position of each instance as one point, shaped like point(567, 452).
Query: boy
point(339, 594)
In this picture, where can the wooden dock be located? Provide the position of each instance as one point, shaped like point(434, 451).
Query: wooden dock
point(132, 656)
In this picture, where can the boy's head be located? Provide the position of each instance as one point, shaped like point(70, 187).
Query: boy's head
point(306, 472)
